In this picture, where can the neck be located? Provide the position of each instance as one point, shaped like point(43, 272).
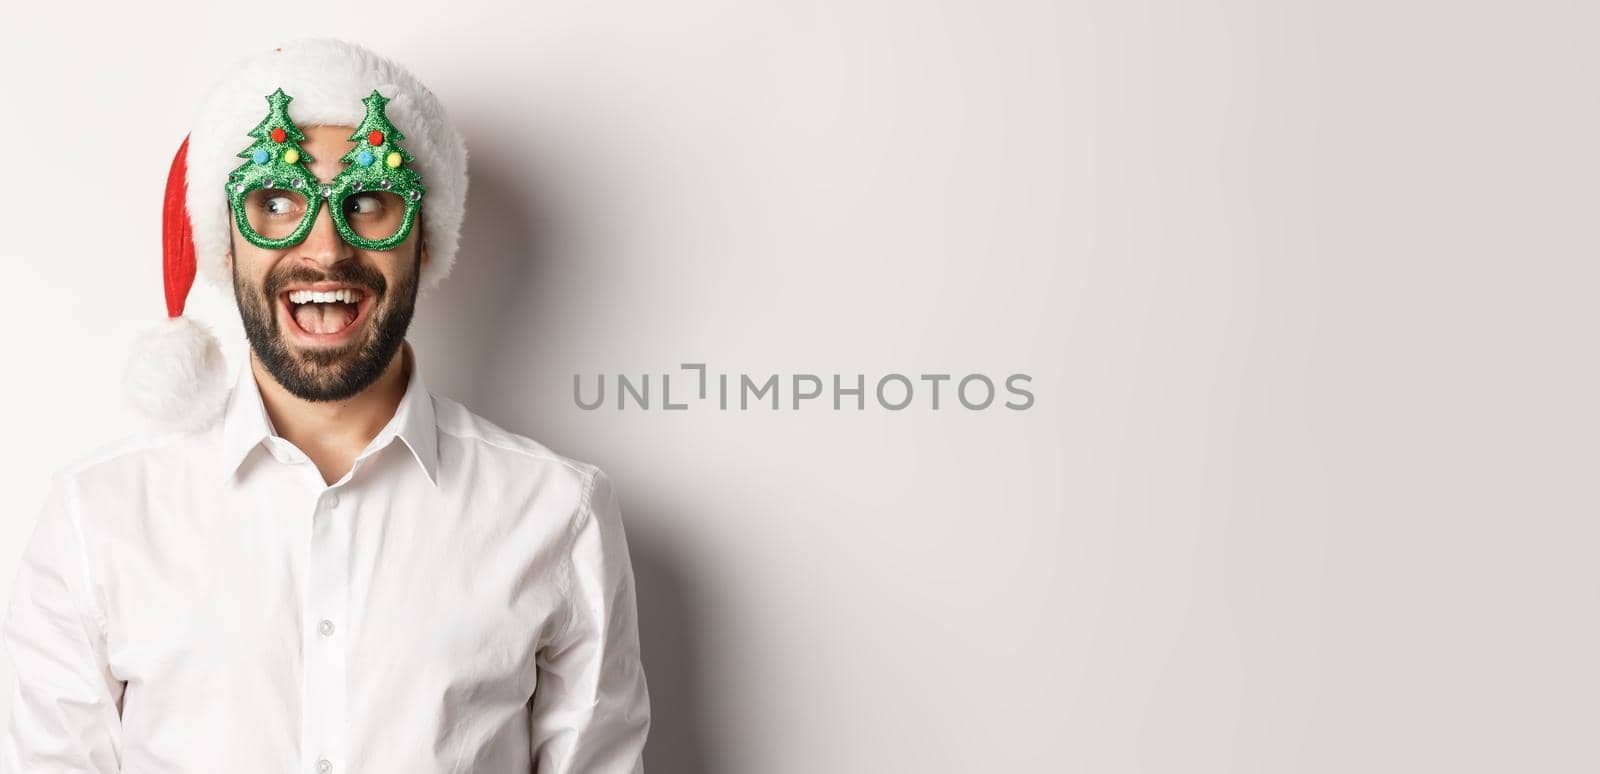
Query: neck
point(338, 429)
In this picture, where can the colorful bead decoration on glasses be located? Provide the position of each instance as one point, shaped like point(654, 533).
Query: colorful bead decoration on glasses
point(373, 202)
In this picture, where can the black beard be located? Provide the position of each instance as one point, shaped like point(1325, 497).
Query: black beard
point(328, 374)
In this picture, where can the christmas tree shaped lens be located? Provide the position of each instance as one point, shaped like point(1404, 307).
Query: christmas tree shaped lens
point(378, 193)
point(272, 194)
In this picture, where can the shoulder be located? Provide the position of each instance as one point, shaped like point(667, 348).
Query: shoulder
point(133, 458)
point(491, 451)
point(112, 483)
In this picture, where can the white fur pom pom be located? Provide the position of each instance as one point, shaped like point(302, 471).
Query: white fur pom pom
point(176, 375)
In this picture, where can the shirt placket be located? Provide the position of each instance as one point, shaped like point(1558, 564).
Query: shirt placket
point(326, 637)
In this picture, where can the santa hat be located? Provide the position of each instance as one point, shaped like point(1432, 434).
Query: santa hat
point(177, 376)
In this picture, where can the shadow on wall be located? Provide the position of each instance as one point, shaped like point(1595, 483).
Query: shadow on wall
point(510, 243)
point(668, 632)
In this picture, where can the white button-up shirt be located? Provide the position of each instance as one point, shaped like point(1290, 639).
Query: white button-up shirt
point(460, 602)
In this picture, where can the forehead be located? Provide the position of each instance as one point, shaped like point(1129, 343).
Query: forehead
point(326, 143)
point(329, 136)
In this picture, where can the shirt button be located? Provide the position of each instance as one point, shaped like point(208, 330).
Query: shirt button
point(333, 501)
point(326, 628)
point(324, 766)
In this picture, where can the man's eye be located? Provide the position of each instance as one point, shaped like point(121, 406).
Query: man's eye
point(280, 205)
point(363, 205)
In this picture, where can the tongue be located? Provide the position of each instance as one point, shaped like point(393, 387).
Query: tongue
point(323, 317)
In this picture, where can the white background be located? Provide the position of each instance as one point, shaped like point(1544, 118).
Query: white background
point(1305, 289)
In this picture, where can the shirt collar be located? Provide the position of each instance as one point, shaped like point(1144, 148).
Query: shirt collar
point(245, 423)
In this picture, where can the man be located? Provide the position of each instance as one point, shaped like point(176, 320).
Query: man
point(326, 568)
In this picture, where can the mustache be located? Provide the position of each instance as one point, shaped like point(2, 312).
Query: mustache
point(350, 273)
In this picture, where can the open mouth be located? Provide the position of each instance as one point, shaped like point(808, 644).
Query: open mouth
point(324, 314)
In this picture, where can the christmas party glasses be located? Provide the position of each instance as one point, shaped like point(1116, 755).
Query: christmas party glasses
point(373, 202)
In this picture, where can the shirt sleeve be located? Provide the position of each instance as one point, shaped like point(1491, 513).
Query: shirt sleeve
point(66, 710)
point(590, 710)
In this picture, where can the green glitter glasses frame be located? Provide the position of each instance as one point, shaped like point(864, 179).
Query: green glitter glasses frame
point(373, 202)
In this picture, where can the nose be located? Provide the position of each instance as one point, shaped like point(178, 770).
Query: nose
point(323, 246)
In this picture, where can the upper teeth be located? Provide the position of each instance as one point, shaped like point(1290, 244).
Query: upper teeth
point(346, 295)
